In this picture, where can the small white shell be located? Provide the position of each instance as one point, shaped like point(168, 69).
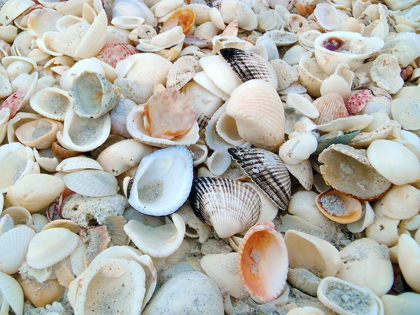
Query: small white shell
point(298, 148)
point(12, 294)
point(92, 183)
point(78, 163)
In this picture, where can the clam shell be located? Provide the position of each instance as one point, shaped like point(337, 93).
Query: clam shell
point(12, 294)
point(77, 258)
point(229, 206)
point(344, 165)
point(92, 183)
point(263, 262)
point(67, 224)
point(403, 46)
point(312, 253)
point(218, 162)
point(181, 72)
point(311, 75)
point(366, 219)
point(61, 152)
point(20, 215)
point(50, 246)
point(160, 241)
point(204, 80)
point(41, 294)
point(298, 148)
point(119, 117)
point(406, 112)
point(267, 171)
point(269, 209)
point(385, 73)
point(409, 260)
point(52, 103)
point(38, 134)
point(14, 245)
point(182, 17)
point(78, 163)
point(401, 202)
point(303, 173)
point(6, 224)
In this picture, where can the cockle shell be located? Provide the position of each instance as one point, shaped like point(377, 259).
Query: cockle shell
point(237, 10)
point(311, 75)
point(42, 20)
point(312, 253)
point(52, 103)
point(330, 106)
point(78, 163)
point(235, 212)
point(181, 72)
point(226, 128)
point(12, 294)
point(344, 165)
point(263, 275)
point(50, 246)
point(409, 260)
point(327, 16)
point(92, 183)
point(153, 191)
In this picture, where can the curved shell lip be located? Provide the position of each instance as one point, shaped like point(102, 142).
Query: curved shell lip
point(135, 127)
point(354, 207)
point(183, 186)
point(347, 124)
point(37, 97)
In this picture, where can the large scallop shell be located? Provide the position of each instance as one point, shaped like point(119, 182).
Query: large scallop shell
point(267, 171)
point(92, 183)
point(348, 170)
point(263, 262)
point(229, 206)
point(50, 246)
point(162, 181)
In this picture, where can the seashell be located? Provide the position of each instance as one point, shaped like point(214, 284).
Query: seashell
point(223, 41)
point(202, 12)
point(204, 102)
point(385, 73)
point(307, 39)
point(11, 10)
point(358, 100)
point(361, 300)
point(203, 80)
point(405, 303)
point(46, 248)
point(405, 111)
point(52, 103)
point(200, 152)
point(303, 280)
point(181, 17)
point(196, 285)
point(39, 220)
point(83, 134)
point(301, 105)
point(226, 128)
point(337, 84)
point(330, 106)
point(114, 52)
point(20, 215)
point(282, 38)
point(404, 47)
point(295, 54)
point(256, 264)
point(306, 310)
point(407, 247)
point(92, 183)
point(156, 178)
point(136, 128)
point(160, 241)
point(335, 137)
point(235, 212)
point(92, 65)
point(236, 10)
point(218, 162)
point(367, 219)
point(78, 163)
point(344, 47)
point(42, 20)
point(268, 130)
point(67, 224)
point(285, 73)
point(384, 231)
point(401, 202)
point(347, 124)
point(6, 224)
point(35, 191)
point(327, 16)
point(344, 165)
point(223, 269)
point(206, 31)
point(39, 134)
point(302, 171)
point(62, 152)
point(298, 148)
point(41, 294)
point(115, 227)
point(181, 72)
point(195, 228)
point(85, 91)
point(6, 87)
point(119, 117)
point(311, 75)
point(249, 66)
point(384, 154)
point(14, 245)
point(312, 253)
point(411, 224)
point(12, 294)
point(135, 90)
point(220, 73)
point(267, 171)
point(367, 264)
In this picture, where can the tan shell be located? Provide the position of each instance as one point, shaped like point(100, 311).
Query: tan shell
point(41, 294)
point(330, 107)
point(181, 72)
point(385, 72)
point(78, 163)
point(409, 260)
point(38, 134)
point(401, 202)
point(311, 76)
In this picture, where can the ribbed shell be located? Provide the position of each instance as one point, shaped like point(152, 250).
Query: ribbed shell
point(330, 107)
point(249, 66)
point(12, 293)
point(92, 183)
point(78, 163)
point(114, 52)
point(229, 206)
point(267, 171)
point(181, 72)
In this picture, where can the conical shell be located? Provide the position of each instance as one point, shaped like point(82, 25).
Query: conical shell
point(330, 107)
point(92, 183)
point(348, 170)
point(409, 261)
point(249, 66)
point(312, 253)
point(259, 114)
point(263, 261)
point(229, 206)
point(50, 246)
point(267, 171)
point(13, 247)
point(12, 293)
point(52, 103)
point(160, 241)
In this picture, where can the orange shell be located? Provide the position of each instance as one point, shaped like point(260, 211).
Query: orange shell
point(185, 17)
point(330, 106)
point(263, 261)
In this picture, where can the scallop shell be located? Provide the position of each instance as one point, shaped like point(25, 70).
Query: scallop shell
point(267, 171)
point(14, 245)
point(409, 260)
point(83, 134)
point(263, 262)
point(264, 128)
point(38, 134)
point(78, 163)
point(229, 206)
point(12, 294)
point(312, 253)
point(92, 183)
point(360, 300)
point(160, 241)
point(114, 52)
point(344, 165)
point(50, 246)
point(52, 103)
point(394, 161)
point(35, 191)
point(330, 107)
point(181, 72)
point(249, 66)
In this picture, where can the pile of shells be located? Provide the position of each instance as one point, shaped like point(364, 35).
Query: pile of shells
point(209, 157)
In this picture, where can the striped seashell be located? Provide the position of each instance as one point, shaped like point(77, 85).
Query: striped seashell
point(92, 183)
point(78, 163)
point(249, 66)
point(113, 52)
point(229, 206)
point(181, 72)
point(267, 171)
point(330, 107)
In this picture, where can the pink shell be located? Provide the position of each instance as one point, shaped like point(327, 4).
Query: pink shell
point(114, 52)
point(14, 101)
point(358, 100)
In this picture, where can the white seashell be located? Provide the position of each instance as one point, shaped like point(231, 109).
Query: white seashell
point(311, 76)
point(404, 46)
point(92, 65)
point(6, 87)
point(347, 124)
point(409, 260)
point(52, 103)
point(50, 246)
point(181, 72)
point(200, 152)
point(385, 73)
point(204, 80)
point(336, 84)
point(78, 163)
point(39, 133)
point(405, 111)
point(237, 10)
point(303, 173)
point(295, 54)
point(302, 105)
point(20, 215)
point(298, 148)
point(402, 304)
point(411, 224)
point(394, 161)
point(39, 220)
point(84, 134)
point(14, 245)
point(35, 191)
point(218, 162)
point(206, 31)
point(77, 258)
point(160, 241)
point(216, 18)
point(11, 10)
point(92, 183)
point(366, 219)
point(327, 16)
point(401, 202)
point(306, 310)
point(12, 294)
point(197, 229)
